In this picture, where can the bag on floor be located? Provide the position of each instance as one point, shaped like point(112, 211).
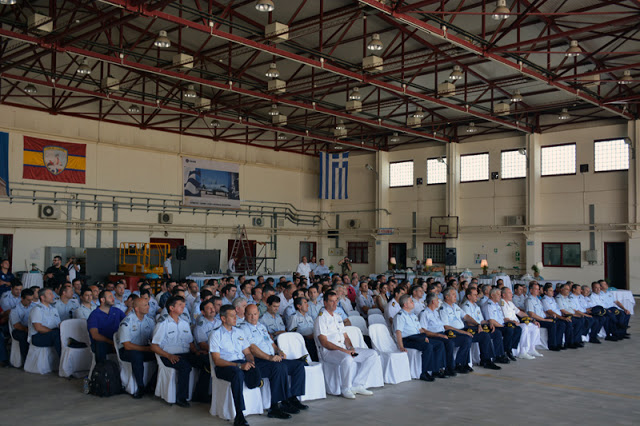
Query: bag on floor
point(105, 379)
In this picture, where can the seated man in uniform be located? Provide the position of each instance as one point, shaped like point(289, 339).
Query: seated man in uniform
point(86, 306)
point(492, 312)
point(102, 324)
point(393, 305)
point(302, 323)
point(240, 304)
point(19, 321)
point(551, 309)
point(409, 334)
point(228, 294)
point(364, 300)
point(450, 336)
point(580, 306)
point(271, 319)
point(173, 342)
point(566, 309)
point(267, 292)
point(530, 328)
point(66, 304)
point(355, 363)
point(44, 322)
point(536, 311)
point(613, 305)
point(205, 324)
point(10, 299)
point(272, 362)
point(119, 297)
point(489, 340)
point(315, 302)
point(611, 320)
point(135, 333)
point(519, 296)
point(419, 298)
point(233, 360)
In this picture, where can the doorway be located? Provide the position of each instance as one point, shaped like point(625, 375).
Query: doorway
point(399, 251)
point(173, 242)
point(307, 248)
point(615, 265)
point(6, 248)
point(242, 265)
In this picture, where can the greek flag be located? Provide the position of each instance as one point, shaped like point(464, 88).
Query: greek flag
point(192, 185)
point(334, 170)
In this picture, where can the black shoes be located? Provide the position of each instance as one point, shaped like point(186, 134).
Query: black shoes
point(512, 358)
point(611, 339)
point(490, 365)
point(139, 393)
point(440, 375)
point(296, 403)
point(240, 421)
point(183, 404)
point(554, 348)
point(595, 340)
point(462, 369)
point(426, 377)
point(278, 413)
point(502, 360)
point(451, 372)
point(288, 408)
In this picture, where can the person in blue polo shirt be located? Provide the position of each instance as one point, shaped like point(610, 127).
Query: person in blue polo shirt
point(102, 324)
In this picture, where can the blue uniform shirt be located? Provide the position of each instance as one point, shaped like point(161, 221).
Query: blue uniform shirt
point(300, 323)
point(259, 336)
point(473, 310)
point(534, 305)
point(228, 343)
point(173, 337)
point(493, 311)
point(135, 331)
point(549, 304)
point(431, 321)
point(107, 324)
point(273, 324)
point(564, 303)
point(9, 301)
point(20, 315)
point(82, 312)
point(204, 327)
point(65, 310)
point(45, 315)
point(451, 315)
point(314, 308)
point(407, 323)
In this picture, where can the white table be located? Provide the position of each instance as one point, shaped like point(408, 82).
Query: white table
point(30, 280)
point(200, 279)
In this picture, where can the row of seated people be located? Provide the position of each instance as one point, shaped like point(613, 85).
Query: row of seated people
point(435, 335)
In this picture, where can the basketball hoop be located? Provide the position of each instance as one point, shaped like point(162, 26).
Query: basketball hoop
point(442, 235)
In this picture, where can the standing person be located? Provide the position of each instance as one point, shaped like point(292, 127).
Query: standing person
point(345, 264)
point(304, 268)
point(73, 269)
point(231, 267)
point(167, 270)
point(5, 276)
point(56, 274)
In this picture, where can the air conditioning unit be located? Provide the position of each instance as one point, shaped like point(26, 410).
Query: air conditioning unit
point(514, 220)
point(339, 133)
point(502, 108)
point(336, 251)
point(276, 32)
point(48, 211)
point(446, 89)
point(183, 61)
point(277, 86)
point(110, 84)
point(279, 120)
point(372, 64)
point(353, 223)
point(353, 106)
point(414, 121)
point(165, 218)
point(39, 23)
point(591, 80)
point(203, 104)
point(257, 221)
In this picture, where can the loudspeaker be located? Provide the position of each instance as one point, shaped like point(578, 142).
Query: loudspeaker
point(181, 253)
point(450, 256)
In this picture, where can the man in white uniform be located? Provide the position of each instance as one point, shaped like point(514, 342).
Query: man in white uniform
point(355, 363)
point(304, 268)
point(530, 328)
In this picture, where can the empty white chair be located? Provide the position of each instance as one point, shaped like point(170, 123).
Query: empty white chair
point(292, 344)
point(15, 358)
point(395, 363)
point(126, 370)
point(74, 361)
point(358, 321)
point(376, 319)
point(41, 360)
point(376, 378)
point(374, 311)
point(168, 382)
point(222, 404)
point(415, 362)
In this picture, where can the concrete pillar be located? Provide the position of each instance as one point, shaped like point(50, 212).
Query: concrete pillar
point(633, 191)
point(381, 246)
point(533, 252)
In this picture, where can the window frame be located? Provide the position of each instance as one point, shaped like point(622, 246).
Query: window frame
point(594, 157)
point(362, 246)
point(562, 265)
point(441, 245)
point(488, 167)
point(575, 172)
point(501, 163)
point(446, 175)
point(412, 177)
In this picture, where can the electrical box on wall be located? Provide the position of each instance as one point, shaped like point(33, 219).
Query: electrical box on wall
point(336, 251)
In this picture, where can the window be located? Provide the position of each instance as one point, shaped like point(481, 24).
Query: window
point(611, 155)
point(434, 251)
point(358, 252)
point(559, 160)
point(401, 174)
point(561, 254)
point(436, 171)
point(513, 164)
point(474, 167)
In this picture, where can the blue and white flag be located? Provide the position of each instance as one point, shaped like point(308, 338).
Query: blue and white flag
point(334, 170)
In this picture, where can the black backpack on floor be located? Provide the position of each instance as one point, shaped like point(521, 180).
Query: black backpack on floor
point(105, 379)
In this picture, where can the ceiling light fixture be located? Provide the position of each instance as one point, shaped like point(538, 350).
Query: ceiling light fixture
point(501, 11)
point(340, 125)
point(162, 41)
point(272, 72)
point(471, 128)
point(354, 95)
point(375, 43)
point(516, 97)
point(282, 137)
point(134, 109)
point(395, 138)
point(190, 93)
point(84, 68)
point(274, 110)
point(564, 115)
point(8, 2)
point(265, 5)
point(215, 124)
point(573, 50)
point(418, 113)
point(30, 89)
point(456, 74)
point(626, 78)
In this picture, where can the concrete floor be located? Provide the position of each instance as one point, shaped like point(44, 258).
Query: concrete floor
point(598, 384)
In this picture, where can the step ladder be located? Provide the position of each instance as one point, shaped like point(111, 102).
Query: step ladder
point(241, 251)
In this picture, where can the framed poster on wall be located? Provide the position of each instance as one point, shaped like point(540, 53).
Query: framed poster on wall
point(210, 184)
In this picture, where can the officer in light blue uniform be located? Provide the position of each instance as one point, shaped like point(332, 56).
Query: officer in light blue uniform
point(205, 324)
point(45, 315)
point(19, 321)
point(535, 310)
point(135, 334)
point(11, 299)
point(451, 338)
point(566, 308)
point(302, 322)
point(519, 296)
point(492, 312)
point(592, 324)
point(612, 305)
point(409, 334)
point(490, 342)
point(85, 306)
point(65, 310)
point(291, 309)
point(314, 307)
point(271, 319)
point(551, 309)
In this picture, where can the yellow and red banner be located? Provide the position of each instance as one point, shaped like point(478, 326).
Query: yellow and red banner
point(54, 161)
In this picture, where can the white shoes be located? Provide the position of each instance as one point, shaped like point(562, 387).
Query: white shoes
point(348, 394)
point(361, 390)
point(526, 356)
point(536, 353)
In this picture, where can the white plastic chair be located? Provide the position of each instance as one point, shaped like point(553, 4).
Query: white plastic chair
point(15, 358)
point(41, 360)
point(415, 362)
point(374, 311)
point(376, 319)
point(395, 363)
point(358, 321)
point(168, 382)
point(292, 344)
point(126, 370)
point(332, 380)
point(222, 404)
point(74, 361)
point(375, 379)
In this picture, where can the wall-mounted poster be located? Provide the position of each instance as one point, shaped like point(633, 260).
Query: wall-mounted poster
point(4, 164)
point(210, 184)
